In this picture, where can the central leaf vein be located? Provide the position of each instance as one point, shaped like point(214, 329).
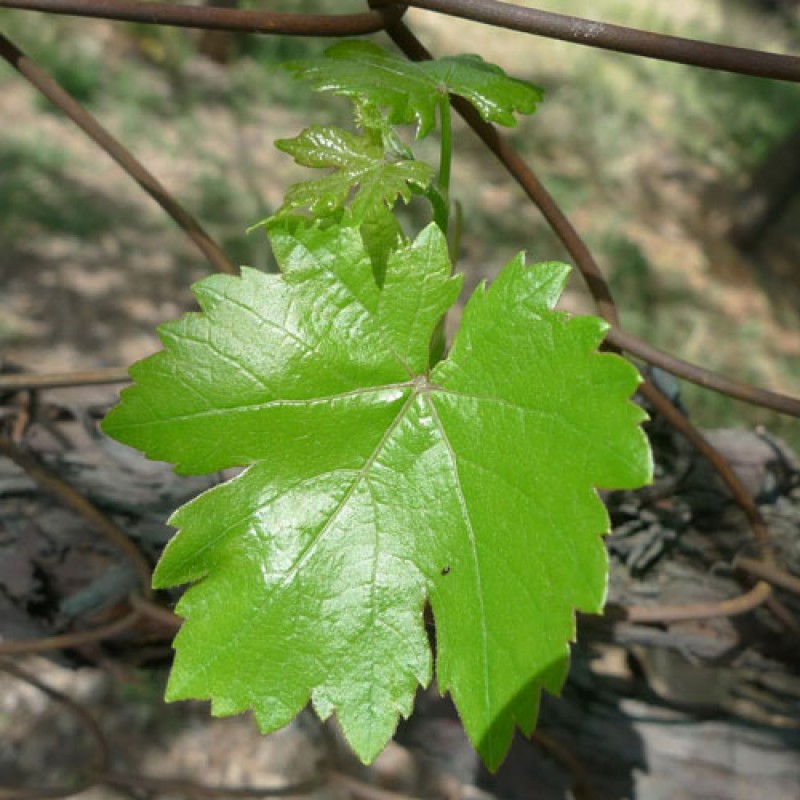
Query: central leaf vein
point(303, 403)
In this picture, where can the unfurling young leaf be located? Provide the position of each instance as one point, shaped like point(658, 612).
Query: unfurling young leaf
point(376, 481)
point(360, 167)
point(411, 91)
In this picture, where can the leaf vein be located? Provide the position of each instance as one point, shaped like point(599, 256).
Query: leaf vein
point(225, 357)
point(307, 347)
point(311, 401)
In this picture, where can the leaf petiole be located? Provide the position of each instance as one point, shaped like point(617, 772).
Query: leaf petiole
point(439, 207)
point(445, 156)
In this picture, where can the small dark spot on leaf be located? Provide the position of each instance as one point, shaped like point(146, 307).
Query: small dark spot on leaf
point(445, 570)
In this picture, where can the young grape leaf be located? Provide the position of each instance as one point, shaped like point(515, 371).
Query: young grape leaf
point(358, 161)
point(412, 90)
point(374, 483)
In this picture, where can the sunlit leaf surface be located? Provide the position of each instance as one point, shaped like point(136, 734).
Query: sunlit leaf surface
point(375, 483)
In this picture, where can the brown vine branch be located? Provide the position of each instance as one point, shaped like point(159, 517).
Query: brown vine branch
point(783, 615)
point(768, 572)
point(734, 607)
point(613, 627)
point(619, 38)
point(504, 15)
point(54, 380)
point(783, 404)
point(102, 523)
point(69, 640)
point(221, 19)
point(141, 608)
point(98, 134)
point(156, 612)
point(741, 496)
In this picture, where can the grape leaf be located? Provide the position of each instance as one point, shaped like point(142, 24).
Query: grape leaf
point(411, 90)
point(358, 161)
point(374, 482)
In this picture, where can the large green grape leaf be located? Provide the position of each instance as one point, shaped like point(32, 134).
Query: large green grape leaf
point(358, 160)
point(375, 482)
point(410, 91)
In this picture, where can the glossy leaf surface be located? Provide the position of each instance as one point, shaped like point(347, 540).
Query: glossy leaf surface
point(410, 91)
point(375, 483)
point(360, 168)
